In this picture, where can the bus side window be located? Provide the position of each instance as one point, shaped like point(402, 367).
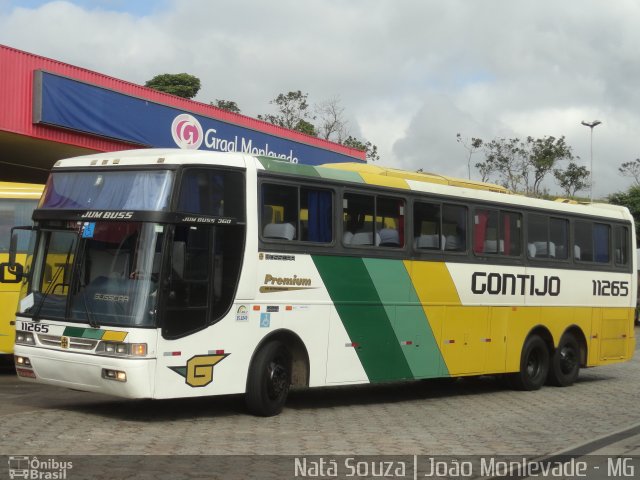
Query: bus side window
point(426, 226)
point(279, 212)
point(485, 231)
point(188, 296)
point(454, 227)
point(583, 238)
point(621, 245)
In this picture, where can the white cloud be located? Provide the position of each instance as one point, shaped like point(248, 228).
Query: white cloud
point(410, 73)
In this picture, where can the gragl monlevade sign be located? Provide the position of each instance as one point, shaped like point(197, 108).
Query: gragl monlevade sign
point(71, 104)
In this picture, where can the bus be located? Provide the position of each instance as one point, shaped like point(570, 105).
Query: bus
point(165, 274)
point(17, 202)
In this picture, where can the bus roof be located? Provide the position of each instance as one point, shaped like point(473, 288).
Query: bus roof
point(20, 190)
point(346, 172)
point(438, 184)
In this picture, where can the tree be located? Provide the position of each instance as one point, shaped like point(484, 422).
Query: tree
point(486, 170)
point(332, 126)
point(180, 84)
point(292, 108)
point(370, 149)
point(572, 179)
point(631, 169)
point(471, 146)
point(306, 127)
point(522, 165)
point(504, 158)
point(631, 200)
point(542, 155)
point(227, 105)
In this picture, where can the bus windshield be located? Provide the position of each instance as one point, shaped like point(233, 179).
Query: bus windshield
point(106, 274)
point(102, 190)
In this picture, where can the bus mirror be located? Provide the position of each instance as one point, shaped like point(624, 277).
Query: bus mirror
point(13, 247)
point(19, 236)
point(11, 272)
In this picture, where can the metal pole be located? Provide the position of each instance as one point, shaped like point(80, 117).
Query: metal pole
point(595, 123)
point(591, 169)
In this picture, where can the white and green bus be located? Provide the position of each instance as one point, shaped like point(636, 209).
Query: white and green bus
point(165, 274)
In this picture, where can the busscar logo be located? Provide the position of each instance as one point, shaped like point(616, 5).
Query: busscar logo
point(187, 132)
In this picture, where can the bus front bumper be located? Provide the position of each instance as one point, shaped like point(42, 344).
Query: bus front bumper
point(122, 377)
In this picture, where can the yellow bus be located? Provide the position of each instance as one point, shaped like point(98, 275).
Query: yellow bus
point(166, 274)
point(17, 202)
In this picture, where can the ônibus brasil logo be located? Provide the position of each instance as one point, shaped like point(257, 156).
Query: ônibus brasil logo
point(187, 132)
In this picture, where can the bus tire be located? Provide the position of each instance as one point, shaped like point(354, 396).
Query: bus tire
point(269, 380)
point(534, 365)
point(565, 363)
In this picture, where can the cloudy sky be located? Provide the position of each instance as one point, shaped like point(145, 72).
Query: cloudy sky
point(409, 73)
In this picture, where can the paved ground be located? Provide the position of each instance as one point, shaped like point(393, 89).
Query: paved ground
point(476, 416)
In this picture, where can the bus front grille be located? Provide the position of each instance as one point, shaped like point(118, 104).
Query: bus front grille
point(73, 343)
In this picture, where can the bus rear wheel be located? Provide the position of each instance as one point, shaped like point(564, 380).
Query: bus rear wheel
point(565, 364)
point(534, 365)
point(269, 380)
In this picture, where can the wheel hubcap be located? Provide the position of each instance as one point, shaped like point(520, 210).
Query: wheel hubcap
point(278, 380)
point(533, 365)
point(568, 359)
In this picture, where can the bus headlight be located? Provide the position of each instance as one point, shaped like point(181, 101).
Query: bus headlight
point(116, 375)
point(22, 361)
point(25, 338)
point(119, 349)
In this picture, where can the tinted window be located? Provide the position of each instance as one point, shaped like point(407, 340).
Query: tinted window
point(547, 237)
point(497, 232)
point(592, 242)
point(454, 228)
point(373, 220)
point(296, 213)
point(212, 193)
point(427, 231)
point(621, 245)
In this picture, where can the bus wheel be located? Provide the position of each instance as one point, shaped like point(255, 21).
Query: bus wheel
point(534, 365)
point(269, 380)
point(565, 364)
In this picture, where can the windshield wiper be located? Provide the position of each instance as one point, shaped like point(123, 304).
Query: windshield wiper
point(81, 289)
point(51, 286)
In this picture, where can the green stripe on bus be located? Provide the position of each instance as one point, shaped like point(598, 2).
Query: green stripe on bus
point(411, 326)
point(343, 175)
point(79, 332)
point(282, 166)
point(93, 333)
point(364, 317)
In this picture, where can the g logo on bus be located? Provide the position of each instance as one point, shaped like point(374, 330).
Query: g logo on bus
point(64, 342)
point(199, 369)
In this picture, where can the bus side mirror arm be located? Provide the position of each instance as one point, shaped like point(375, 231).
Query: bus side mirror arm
point(13, 247)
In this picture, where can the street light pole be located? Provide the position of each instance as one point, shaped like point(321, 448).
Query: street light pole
point(595, 123)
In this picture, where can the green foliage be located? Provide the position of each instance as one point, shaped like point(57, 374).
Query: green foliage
point(522, 165)
point(306, 127)
point(292, 108)
point(228, 105)
point(572, 179)
point(370, 149)
point(293, 113)
point(631, 200)
point(180, 84)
